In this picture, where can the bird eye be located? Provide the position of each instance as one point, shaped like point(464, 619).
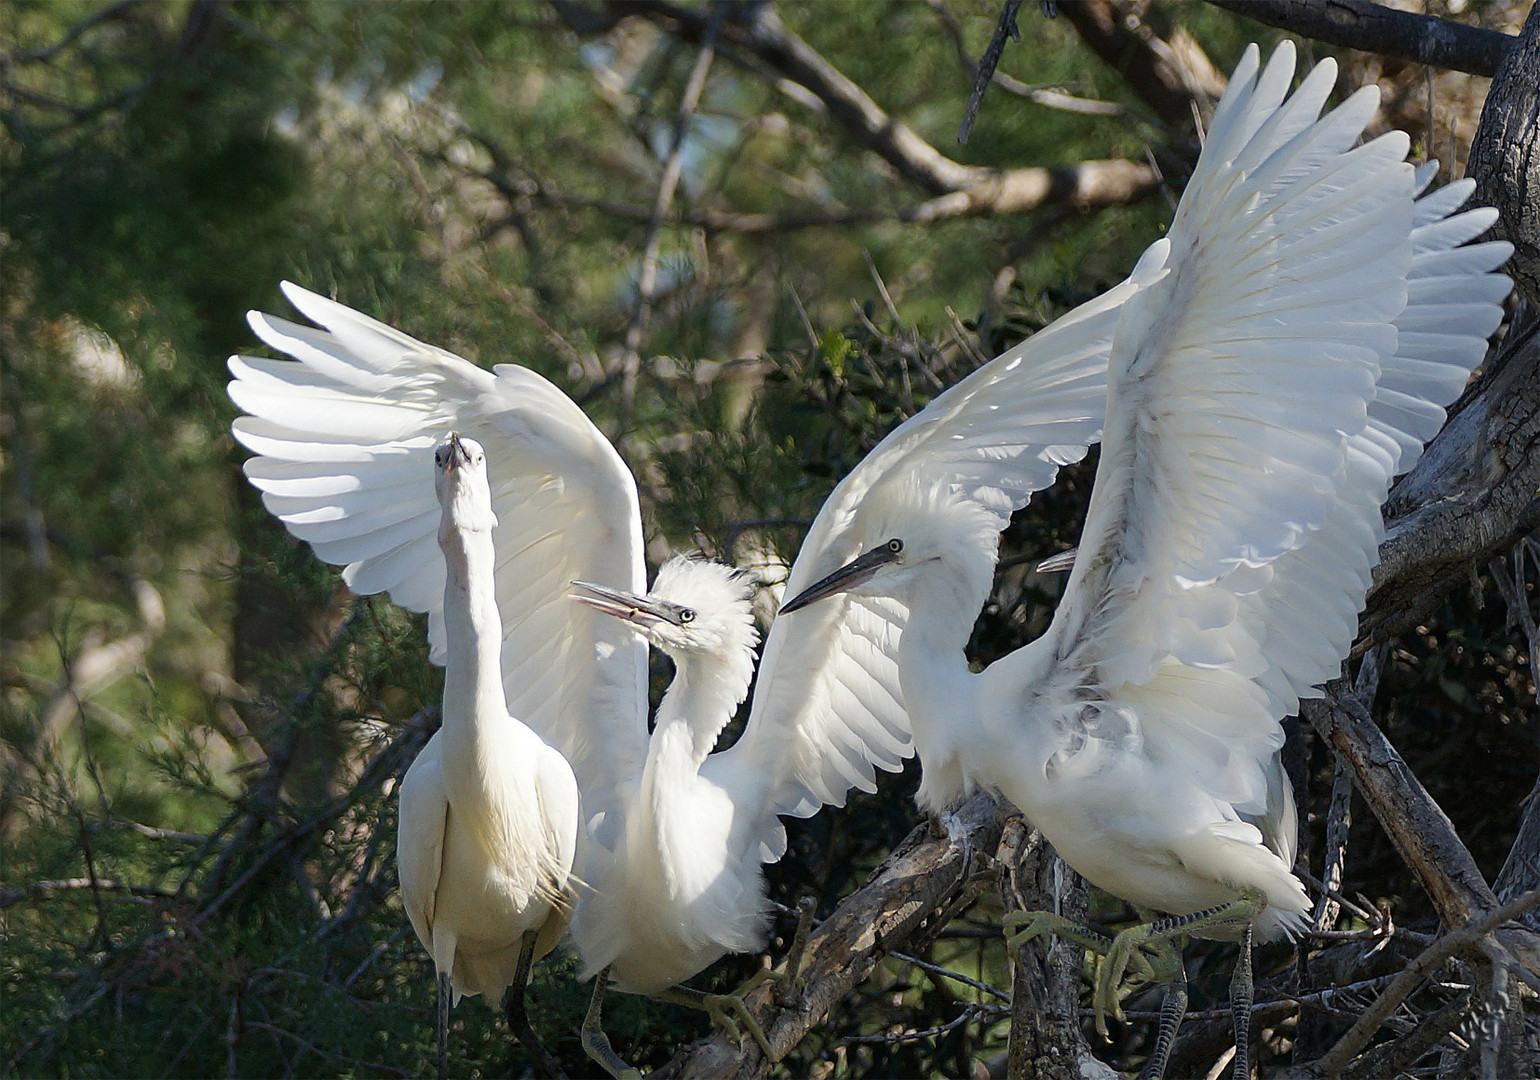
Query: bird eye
point(438, 457)
point(686, 615)
point(895, 545)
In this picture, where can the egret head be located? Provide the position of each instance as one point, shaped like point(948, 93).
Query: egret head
point(913, 534)
point(460, 478)
point(695, 608)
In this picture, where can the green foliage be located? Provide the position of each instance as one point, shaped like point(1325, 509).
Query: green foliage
point(199, 839)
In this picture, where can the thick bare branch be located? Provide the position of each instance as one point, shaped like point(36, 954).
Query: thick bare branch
point(1164, 75)
point(1473, 494)
point(1505, 157)
point(961, 189)
point(922, 875)
point(1015, 191)
point(1360, 24)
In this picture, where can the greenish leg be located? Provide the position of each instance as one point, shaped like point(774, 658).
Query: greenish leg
point(1240, 1007)
point(445, 996)
point(518, 1020)
point(1143, 937)
point(1172, 1008)
point(1033, 924)
point(717, 1006)
point(596, 1044)
point(791, 978)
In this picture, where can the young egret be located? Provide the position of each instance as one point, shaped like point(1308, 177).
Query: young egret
point(344, 440)
point(489, 812)
point(683, 887)
point(1286, 350)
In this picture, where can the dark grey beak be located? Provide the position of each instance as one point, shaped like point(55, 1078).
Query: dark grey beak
point(853, 573)
point(628, 607)
point(458, 455)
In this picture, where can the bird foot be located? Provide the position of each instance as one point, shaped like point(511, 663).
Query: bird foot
point(1022, 926)
point(596, 1044)
point(718, 1006)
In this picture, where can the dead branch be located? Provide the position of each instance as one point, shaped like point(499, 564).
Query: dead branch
point(896, 906)
point(647, 278)
point(1467, 937)
point(1473, 494)
point(1359, 24)
point(1166, 71)
point(1504, 158)
point(972, 189)
point(1046, 1040)
point(1005, 27)
point(92, 670)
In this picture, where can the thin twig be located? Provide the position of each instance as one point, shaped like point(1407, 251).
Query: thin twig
point(1408, 979)
point(647, 279)
point(1004, 27)
point(936, 969)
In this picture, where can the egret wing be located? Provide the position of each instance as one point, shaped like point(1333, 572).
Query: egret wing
point(345, 435)
point(1305, 615)
point(827, 711)
point(1248, 439)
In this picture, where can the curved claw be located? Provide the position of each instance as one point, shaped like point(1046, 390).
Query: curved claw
point(1110, 980)
point(716, 1008)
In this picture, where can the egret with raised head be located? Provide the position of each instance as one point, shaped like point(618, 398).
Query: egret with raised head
point(488, 812)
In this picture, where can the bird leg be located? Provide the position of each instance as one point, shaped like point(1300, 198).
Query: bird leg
point(1154, 938)
point(1240, 1007)
point(445, 995)
point(1172, 1008)
point(1152, 963)
point(789, 981)
point(596, 1044)
point(716, 1006)
point(518, 1020)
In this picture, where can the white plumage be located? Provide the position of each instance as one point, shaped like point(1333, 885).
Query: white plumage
point(489, 813)
point(1278, 357)
point(344, 439)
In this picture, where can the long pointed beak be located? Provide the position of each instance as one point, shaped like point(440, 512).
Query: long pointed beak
point(458, 454)
point(628, 607)
point(862, 568)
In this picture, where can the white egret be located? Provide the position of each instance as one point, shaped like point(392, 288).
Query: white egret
point(489, 812)
point(1280, 355)
point(685, 836)
point(344, 440)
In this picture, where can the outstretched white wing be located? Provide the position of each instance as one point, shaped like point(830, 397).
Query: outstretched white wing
point(344, 435)
point(1309, 327)
point(827, 711)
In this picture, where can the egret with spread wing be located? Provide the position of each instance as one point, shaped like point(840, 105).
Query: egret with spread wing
point(345, 438)
point(1284, 351)
point(489, 812)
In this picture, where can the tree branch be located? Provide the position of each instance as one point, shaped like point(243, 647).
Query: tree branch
point(1473, 494)
point(1505, 158)
point(896, 906)
point(962, 190)
point(1165, 76)
point(1359, 24)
